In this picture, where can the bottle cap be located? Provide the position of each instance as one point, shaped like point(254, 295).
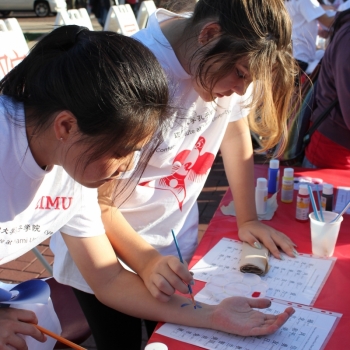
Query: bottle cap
point(327, 189)
point(288, 172)
point(274, 163)
point(261, 183)
point(303, 189)
point(156, 346)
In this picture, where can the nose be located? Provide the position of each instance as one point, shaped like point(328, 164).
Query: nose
point(130, 162)
point(240, 88)
point(127, 165)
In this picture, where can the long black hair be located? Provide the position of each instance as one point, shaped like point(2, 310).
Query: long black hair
point(113, 85)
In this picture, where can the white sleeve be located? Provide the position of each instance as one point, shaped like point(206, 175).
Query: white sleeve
point(311, 9)
point(86, 222)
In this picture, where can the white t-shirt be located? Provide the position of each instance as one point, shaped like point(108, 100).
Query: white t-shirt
point(165, 198)
point(34, 203)
point(344, 6)
point(304, 14)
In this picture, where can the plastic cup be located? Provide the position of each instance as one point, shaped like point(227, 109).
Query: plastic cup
point(156, 346)
point(324, 234)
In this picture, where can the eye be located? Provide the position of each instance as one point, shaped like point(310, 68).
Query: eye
point(240, 74)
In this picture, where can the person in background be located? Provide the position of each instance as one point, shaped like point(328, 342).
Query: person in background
point(135, 5)
point(100, 9)
point(329, 146)
point(73, 114)
point(226, 63)
point(331, 4)
point(305, 15)
point(81, 4)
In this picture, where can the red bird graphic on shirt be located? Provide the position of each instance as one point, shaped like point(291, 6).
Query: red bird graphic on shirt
point(190, 165)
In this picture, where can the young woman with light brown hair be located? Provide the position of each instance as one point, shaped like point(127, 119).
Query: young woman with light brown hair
point(230, 70)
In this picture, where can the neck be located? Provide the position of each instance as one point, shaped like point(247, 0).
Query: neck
point(183, 45)
point(40, 148)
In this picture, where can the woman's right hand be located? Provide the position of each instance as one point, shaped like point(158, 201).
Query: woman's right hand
point(14, 322)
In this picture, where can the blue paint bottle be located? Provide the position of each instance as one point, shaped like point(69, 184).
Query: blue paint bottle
point(273, 176)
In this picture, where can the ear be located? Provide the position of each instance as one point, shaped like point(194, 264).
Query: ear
point(209, 32)
point(65, 125)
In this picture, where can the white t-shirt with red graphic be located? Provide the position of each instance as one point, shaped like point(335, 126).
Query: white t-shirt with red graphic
point(34, 204)
point(166, 197)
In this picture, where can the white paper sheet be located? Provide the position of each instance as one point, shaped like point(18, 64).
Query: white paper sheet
point(297, 280)
point(305, 329)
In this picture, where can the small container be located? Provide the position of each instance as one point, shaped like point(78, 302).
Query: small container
point(273, 177)
point(156, 346)
point(261, 196)
point(324, 234)
point(327, 197)
point(303, 204)
point(287, 185)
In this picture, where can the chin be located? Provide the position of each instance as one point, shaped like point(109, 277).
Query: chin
point(92, 184)
point(207, 98)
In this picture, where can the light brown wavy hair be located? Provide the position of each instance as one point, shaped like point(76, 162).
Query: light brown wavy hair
point(261, 31)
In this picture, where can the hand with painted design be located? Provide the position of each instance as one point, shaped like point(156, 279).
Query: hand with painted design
point(236, 315)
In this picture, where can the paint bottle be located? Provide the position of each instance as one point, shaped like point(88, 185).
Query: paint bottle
point(303, 204)
point(261, 196)
point(273, 177)
point(327, 197)
point(287, 185)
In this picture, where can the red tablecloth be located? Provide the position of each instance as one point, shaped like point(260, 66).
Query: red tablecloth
point(335, 294)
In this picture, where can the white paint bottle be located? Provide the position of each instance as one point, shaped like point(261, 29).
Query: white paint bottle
point(261, 196)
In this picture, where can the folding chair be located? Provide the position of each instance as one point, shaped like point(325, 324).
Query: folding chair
point(62, 19)
point(121, 19)
point(79, 17)
point(13, 46)
point(146, 9)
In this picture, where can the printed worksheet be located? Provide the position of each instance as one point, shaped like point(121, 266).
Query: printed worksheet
point(306, 329)
point(297, 280)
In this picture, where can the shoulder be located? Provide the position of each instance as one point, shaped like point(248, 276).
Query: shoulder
point(340, 44)
point(11, 113)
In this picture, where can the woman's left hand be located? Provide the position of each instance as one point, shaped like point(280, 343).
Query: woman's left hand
point(255, 232)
